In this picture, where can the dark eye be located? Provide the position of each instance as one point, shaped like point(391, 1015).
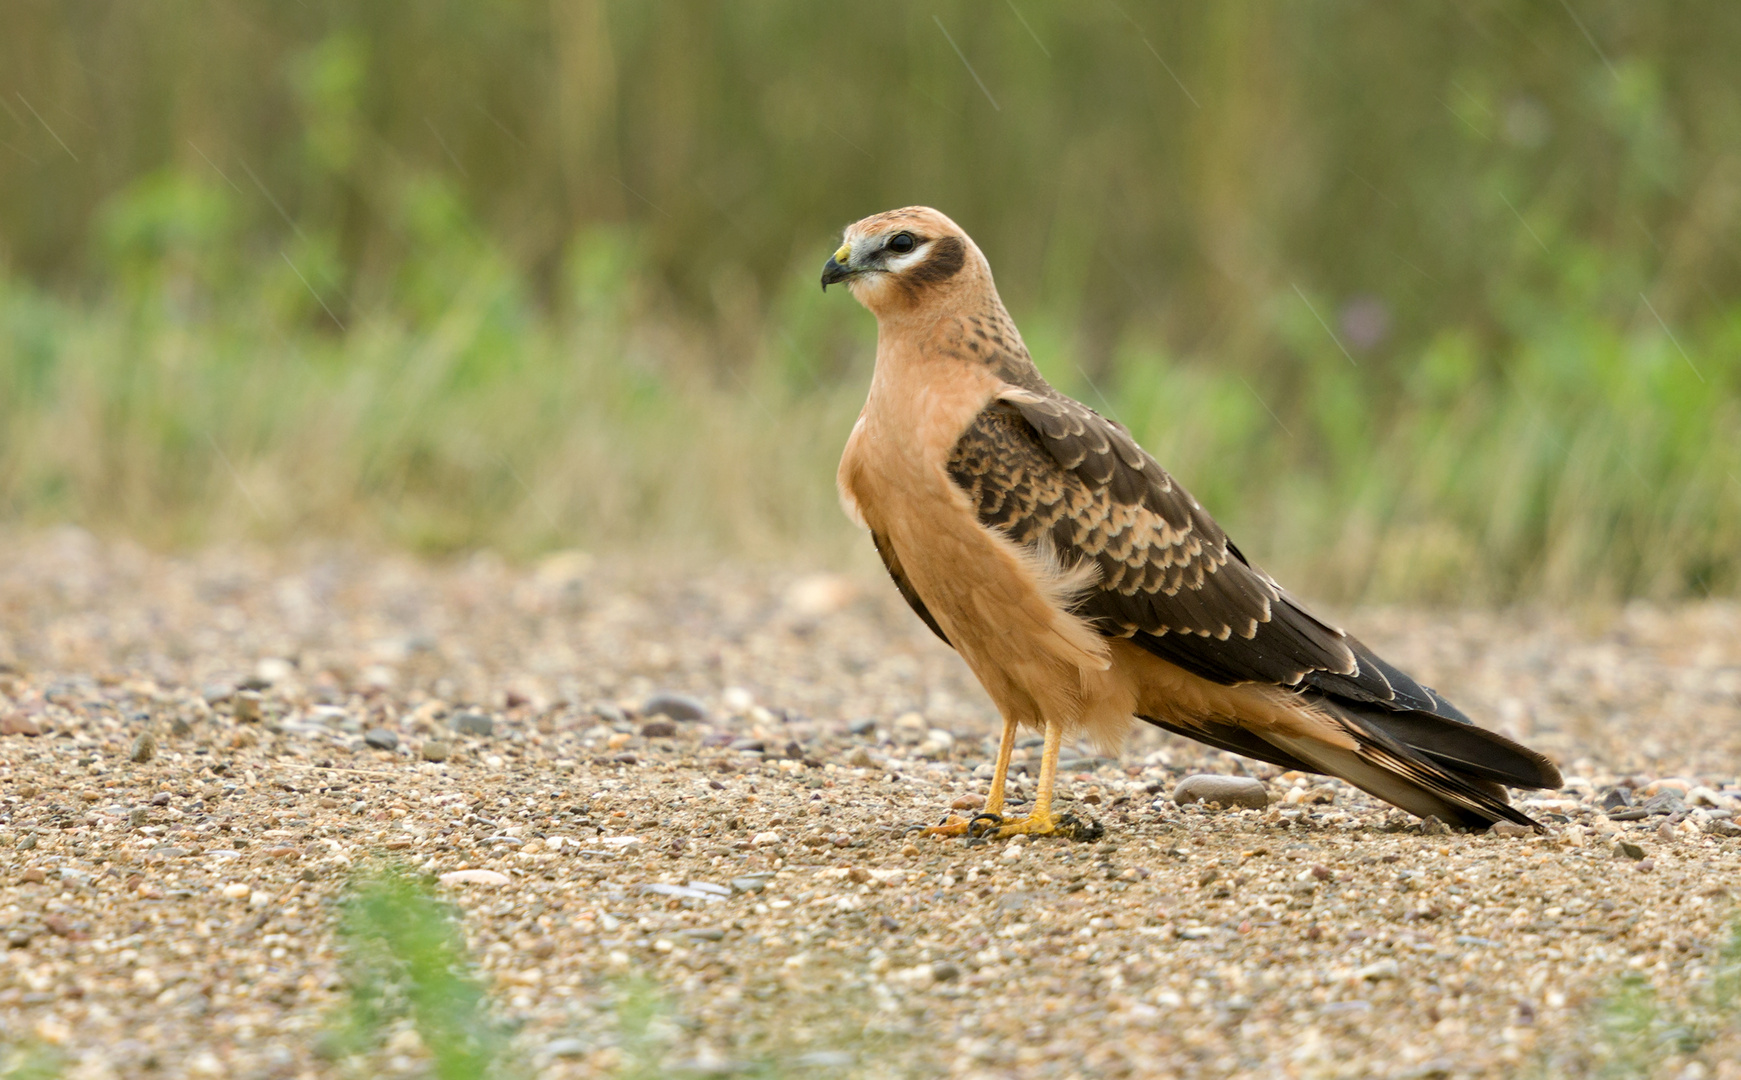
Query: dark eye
point(902, 242)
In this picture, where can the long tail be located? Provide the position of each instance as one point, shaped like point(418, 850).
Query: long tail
point(1424, 763)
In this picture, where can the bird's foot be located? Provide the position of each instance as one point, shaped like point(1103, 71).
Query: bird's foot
point(949, 826)
point(1069, 826)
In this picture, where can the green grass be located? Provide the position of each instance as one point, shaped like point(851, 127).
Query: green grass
point(406, 959)
point(1635, 1032)
point(1594, 459)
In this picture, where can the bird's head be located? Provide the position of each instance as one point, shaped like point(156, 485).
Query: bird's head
point(904, 259)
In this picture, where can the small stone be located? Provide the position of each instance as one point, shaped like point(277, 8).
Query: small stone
point(750, 883)
point(1626, 849)
point(436, 750)
point(246, 704)
point(1229, 791)
point(658, 729)
point(910, 727)
point(679, 707)
point(1382, 970)
point(138, 817)
point(476, 724)
point(235, 890)
point(863, 726)
point(34, 875)
point(1616, 799)
point(909, 849)
point(567, 1048)
point(381, 739)
point(162, 798)
point(27, 844)
point(179, 727)
point(945, 972)
point(15, 723)
point(18, 939)
point(1510, 829)
point(748, 744)
point(705, 933)
point(970, 801)
point(765, 839)
point(861, 759)
point(473, 877)
point(1722, 827)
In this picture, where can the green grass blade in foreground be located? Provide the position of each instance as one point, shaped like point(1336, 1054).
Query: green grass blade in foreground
point(31, 1061)
point(405, 958)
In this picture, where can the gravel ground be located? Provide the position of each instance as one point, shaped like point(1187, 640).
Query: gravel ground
point(693, 793)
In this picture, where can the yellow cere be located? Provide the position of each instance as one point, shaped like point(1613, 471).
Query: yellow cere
point(843, 254)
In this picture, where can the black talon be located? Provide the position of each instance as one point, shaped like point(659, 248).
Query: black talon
point(973, 824)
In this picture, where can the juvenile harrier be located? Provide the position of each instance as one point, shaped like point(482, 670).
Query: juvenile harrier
point(1084, 586)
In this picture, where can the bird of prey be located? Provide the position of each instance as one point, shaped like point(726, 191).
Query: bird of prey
point(1084, 587)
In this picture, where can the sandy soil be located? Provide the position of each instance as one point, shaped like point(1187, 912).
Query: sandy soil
point(201, 786)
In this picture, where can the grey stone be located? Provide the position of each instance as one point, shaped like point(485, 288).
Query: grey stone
point(749, 883)
point(658, 729)
point(436, 750)
point(705, 933)
point(865, 726)
point(381, 739)
point(1669, 802)
point(569, 1047)
point(1230, 791)
point(1626, 849)
point(144, 748)
point(748, 744)
point(682, 891)
point(679, 707)
point(472, 723)
point(1616, 799)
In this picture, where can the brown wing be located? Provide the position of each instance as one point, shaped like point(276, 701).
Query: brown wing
point(1049, 470)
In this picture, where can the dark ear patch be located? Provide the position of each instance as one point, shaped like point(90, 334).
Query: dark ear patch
point(948, 255)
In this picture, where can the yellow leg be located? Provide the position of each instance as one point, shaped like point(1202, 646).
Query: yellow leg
point(1000, 775)
point(955, 826)
point(1041, 821)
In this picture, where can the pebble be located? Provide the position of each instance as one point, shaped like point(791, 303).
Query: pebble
point(910, 728)
point(235, 890)
point(473, 723)
point(1626, 849)
point(1510, 829)
point(682, 891)
point(764, 839)
point(567, 1047)
point(33, 874)
point(749, 883)
point(436, 750)
point(1229, 791)
point(1383, 969)
point(864, 726)
point(381, 738)
point(970, 801)
point(680, 707)
point(16, 723)
point(705, 933)
point(473, 877)
point(658, 729)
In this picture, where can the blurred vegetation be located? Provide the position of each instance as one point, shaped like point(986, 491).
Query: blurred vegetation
point(1423, 302)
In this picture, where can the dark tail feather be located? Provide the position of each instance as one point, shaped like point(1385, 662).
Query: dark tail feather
point(1459, 746)
point(1428, 764)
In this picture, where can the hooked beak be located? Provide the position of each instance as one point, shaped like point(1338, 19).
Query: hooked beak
point(834, 271)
